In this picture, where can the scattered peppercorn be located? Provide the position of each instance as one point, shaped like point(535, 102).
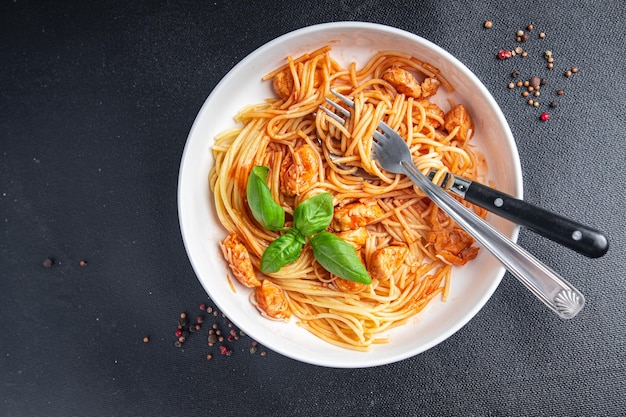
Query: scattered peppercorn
point(48, 262)
point(215, 336)
point(504, 54)
point(544, 116)
point(488, 24)
point(83, 263)
point(532, 85)
point(535, 81)
point(146, 339)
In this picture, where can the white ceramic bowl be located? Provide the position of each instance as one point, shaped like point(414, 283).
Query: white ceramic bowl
point(472, 285)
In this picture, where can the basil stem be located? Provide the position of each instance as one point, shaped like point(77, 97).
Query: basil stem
point(314, 214)
point(264, 209)
point(284, 250)
point(339, 257)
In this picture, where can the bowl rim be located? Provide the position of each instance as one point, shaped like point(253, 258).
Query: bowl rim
point(372, 360)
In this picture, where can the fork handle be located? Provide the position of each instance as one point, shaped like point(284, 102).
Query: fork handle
point(555, 292)
point(583, 239)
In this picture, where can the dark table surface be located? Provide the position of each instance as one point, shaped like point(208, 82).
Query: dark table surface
point(96, 102)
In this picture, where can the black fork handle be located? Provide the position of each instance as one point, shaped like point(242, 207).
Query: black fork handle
point(576, 236)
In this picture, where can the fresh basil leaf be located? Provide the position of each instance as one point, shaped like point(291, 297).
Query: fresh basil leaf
point(314, 214)
point(264, 209)
point(284, 250)
point(339, 257)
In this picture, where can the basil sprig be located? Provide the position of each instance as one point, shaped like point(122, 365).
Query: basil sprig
point(310, 219)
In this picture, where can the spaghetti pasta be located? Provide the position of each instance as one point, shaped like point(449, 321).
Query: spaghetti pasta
point(407, 244)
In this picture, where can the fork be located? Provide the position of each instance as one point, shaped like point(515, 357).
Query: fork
point(393, 155)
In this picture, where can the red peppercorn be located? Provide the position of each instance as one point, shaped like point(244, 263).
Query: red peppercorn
point(178, 333)
point(504, 54)
point(202, 307)
point(544, 116)
point(223, 350)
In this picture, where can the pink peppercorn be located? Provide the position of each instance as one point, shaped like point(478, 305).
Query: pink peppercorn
point(544, 116)
point(179, 333)
point(504, 54)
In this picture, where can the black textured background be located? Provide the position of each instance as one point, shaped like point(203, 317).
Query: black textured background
point(96, 101)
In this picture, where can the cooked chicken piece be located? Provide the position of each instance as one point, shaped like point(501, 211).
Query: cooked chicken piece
point(458, 116)
point(283, 83)
point(238, 259)
point(299, 170)
point(430, 86)
point(271, 300)
point(405, 83)
point(453, 246)
point(355, 215)
point(386, 261)
point(345, 285)
point(355, 237)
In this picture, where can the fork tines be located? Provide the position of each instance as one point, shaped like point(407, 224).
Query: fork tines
point(381, 125)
